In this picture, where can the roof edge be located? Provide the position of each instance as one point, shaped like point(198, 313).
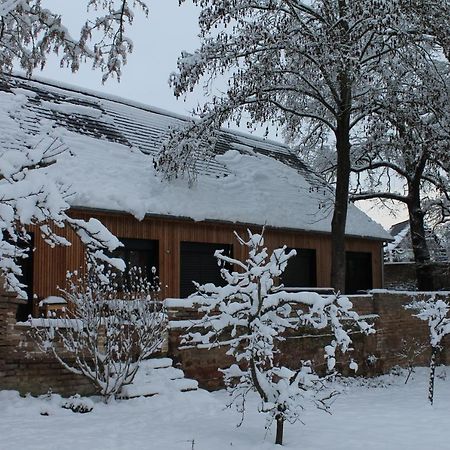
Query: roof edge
point(224, 222)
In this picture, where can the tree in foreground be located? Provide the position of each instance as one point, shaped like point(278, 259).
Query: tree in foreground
point(308, 68)
point(29, 32)
point(434, 312)
point(250, 316)
point(33, 193)
point(108, 329)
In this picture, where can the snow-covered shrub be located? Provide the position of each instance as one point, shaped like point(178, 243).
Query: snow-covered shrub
point(50, 404)
point(434, 312)
point(250, 314)
point(106, 333)
point(78, 404)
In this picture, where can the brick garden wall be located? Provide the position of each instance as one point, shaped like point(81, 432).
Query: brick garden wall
point(402, 276)
point(26, 369)
point(375, 354)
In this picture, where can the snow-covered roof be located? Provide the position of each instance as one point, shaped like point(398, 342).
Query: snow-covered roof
point(112, 143)
point(399, 232)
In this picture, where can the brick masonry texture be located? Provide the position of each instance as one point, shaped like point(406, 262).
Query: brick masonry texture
point(25, 368)
point(403, 275)
point(375, 354)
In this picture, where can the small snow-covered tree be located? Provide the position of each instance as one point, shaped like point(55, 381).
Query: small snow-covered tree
point(32, 192)
point(250, 315)
point(108, 328)
point(29, 32)
point(434, 312)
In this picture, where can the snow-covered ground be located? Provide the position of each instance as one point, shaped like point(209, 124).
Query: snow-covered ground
point(393, 417)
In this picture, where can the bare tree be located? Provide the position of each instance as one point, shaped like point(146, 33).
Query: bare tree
point(403, 156)
point(410, 352)
point(108, 328)
point(310, 69)
point(29, 194)
point(29, 32)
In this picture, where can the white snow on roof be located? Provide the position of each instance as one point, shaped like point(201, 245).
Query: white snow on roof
point(398, 238)
point(242, 185)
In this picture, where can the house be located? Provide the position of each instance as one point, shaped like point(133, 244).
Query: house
point(400, 248)
point(250, 182)
point(399, 263)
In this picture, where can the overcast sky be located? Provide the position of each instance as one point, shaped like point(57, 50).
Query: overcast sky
point(158, 42)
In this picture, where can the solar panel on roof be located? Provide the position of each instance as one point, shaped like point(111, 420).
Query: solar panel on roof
point(136, 126)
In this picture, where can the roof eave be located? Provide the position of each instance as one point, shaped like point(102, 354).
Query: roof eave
point(224, 222)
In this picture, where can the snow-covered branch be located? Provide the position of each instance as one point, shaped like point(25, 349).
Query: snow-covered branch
point(434, 311)
point(107, 330)
point(32, 194)
point(29, 32)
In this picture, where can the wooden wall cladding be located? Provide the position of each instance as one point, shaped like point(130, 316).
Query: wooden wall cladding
point(51, 264)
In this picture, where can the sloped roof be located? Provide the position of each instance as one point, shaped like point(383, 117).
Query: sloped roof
point(250, 180)
point(398, 227)
point(399, 232)
point(401, 249)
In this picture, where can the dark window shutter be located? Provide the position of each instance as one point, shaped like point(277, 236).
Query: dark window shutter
point(358, 272)
point(301, 269)
point(197, 263)
point(140, 253)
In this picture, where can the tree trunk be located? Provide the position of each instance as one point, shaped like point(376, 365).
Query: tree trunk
point(342, 134)
point(340, 204)
point(434, 351)
point(280, 428)
point(419, 243)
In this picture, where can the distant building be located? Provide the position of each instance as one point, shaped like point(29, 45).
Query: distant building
point(400, 249)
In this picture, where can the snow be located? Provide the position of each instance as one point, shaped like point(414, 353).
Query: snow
point(391, 247)
point(157, 377)
point(410, 293)
point(241, 186)
point(250, 318)
point(52, 300)
point(389, 417)
point(397, 239)
point(434, 311)
point(31, 193)
point(249, 194)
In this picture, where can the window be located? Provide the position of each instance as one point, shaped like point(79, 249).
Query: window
point(301, 269)
point(358, 272)
point(140, 253)
point(197, 263)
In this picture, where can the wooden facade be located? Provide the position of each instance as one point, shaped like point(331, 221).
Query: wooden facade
point(51, 264)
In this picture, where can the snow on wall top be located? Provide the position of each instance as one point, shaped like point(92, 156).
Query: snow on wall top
point(112, 143)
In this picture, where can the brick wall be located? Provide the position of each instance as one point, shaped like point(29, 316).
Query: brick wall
point(23, 366)
point(403, 275)
point(26, 369)
point(375, 354)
